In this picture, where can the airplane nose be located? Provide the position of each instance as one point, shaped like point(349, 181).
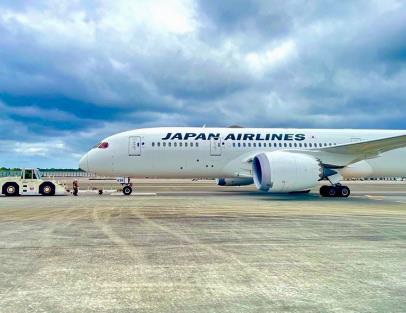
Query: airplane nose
point(83, 163)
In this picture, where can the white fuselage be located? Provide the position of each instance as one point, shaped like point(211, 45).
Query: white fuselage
point(185, 152)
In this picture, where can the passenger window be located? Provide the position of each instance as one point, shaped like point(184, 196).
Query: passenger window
point(175, 144)
point(191, 144)
point(180, 144)
point(197, 144)
point(259, 144)
point(285, 145)
point(185, 144)
point(310, 145)
point(280, 145)
point(169, 144)
point(234, 144)
point(244, 144)
point(158, 144)
point(153, 144)
point(249, 144)
point(295, 144)
point(275, 144)
point(254, 144)
point(239, 144)
point(305, 145)
point(164, 144)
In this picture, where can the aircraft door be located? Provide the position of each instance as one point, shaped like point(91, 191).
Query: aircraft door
point(215, 147)
point(29, 182)
point(134, 145)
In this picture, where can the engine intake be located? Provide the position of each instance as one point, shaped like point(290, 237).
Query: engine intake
point(281, 171)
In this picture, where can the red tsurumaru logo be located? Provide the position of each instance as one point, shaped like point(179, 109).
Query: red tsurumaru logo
point(233, 136)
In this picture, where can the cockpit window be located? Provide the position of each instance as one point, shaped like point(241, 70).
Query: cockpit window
point(103, 145)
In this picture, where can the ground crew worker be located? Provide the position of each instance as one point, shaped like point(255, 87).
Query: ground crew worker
point(75, 187)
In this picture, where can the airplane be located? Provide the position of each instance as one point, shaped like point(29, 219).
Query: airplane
point(278, 160)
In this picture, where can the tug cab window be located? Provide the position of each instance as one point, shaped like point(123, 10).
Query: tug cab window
point(28, 174)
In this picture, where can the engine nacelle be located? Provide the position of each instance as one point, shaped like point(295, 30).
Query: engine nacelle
point(234, 181)
point(281, 171)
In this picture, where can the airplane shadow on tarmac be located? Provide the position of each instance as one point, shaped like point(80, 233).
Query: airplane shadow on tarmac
point(303, 196)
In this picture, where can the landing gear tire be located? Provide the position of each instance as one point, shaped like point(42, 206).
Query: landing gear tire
point(324, 191)
point(127, 190)
point(332, 191)
point(335, 191)
point(344, 191)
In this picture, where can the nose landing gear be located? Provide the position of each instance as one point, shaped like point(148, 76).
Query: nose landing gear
point(335, 191)
point(127, 190)
point(127, 185)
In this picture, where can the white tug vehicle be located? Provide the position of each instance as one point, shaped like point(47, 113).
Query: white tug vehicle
point(30, 183)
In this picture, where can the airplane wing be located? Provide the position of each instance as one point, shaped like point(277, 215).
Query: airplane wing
point(346, 154)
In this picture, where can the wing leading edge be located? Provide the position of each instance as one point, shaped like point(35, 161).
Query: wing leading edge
point(346, 154)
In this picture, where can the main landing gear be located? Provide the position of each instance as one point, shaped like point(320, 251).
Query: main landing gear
point(335, 191)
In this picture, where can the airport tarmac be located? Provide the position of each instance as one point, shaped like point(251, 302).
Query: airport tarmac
point(182, 246)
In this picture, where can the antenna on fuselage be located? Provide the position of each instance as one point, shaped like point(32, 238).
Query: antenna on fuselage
point(204, 126)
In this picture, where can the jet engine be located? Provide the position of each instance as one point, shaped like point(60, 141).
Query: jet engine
point(281, 171)
point(234, 181)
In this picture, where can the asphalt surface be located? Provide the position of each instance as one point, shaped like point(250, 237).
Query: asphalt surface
point(195, 247)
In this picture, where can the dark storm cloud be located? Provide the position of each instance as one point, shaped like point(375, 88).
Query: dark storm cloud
point(72, 73)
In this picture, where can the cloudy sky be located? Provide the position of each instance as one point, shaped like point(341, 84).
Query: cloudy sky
point(73, 72)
